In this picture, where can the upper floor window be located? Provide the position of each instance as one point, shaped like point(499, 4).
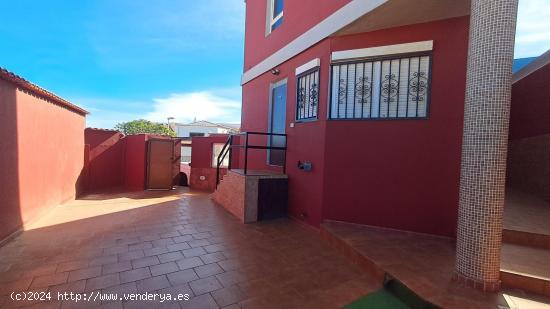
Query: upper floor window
point(275, 14)
point(388, 88)
point(307, 95)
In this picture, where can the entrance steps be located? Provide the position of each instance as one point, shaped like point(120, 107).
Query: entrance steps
point(525, 258)
point(258, 195)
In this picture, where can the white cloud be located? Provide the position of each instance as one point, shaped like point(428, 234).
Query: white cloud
point(532, 35)
point(202, 105)
point(218, 105)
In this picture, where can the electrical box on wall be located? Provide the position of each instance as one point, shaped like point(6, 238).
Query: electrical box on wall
point(306, 166)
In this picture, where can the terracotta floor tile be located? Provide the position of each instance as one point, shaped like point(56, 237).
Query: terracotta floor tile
point(155, 251)
point(228, 296)
point(102, 260)
point(178, 246)
point(120, 289)
point(189, 262)
point(162, 269)
point(84, 273)
point(117, 267)
point(144, 262)
point(102, 282)
point(200, 302)
point(183, 238)
point(153, 284)
point(171, 256)
point(193, 252)
point(15, 286)
point(73, 265)
point(49, 280)
point(182, 277)
point(75, 287)
point(212, 257)
point(238, 263)
point(115, 250)
point(135, 275)
point(131, 255)
point(205, 285)
point(198, 243)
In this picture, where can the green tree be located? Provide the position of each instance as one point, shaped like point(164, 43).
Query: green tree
point(143, 126)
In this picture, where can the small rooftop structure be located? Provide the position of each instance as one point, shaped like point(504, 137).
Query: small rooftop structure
point(204, 128)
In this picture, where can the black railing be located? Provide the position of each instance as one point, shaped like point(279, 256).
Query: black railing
point(230, 145)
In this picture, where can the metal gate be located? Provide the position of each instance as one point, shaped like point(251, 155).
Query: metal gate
point(163, 156)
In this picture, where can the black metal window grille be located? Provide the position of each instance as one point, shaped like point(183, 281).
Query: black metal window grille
point(307, 95)
point(391, 88)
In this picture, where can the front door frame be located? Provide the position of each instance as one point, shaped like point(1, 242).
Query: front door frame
point(272, 87)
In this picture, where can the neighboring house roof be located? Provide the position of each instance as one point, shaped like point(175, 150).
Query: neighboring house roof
point(204, 123)
point(38, 91)
point(102, 129)
point(521, 62)
point(533, 66)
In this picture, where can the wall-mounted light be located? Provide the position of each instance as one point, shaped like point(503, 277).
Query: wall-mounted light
point(275, 71)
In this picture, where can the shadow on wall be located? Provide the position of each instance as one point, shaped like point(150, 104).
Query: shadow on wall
point(529, 146)
point(41, 152)
point(10, 214)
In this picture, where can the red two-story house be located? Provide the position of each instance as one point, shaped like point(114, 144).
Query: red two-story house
point(395, 114)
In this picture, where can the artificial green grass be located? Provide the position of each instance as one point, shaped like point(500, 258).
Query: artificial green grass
point(394, 295)
point(407, 296)
point(378, 300)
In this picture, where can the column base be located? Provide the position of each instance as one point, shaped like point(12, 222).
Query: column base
point(485, 286)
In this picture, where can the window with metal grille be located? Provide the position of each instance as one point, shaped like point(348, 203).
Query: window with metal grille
point(307, 95)
point(385, 88)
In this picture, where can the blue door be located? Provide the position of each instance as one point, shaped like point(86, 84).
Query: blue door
point(277, 124)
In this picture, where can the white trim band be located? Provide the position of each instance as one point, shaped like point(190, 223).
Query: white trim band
point(308, 66)
point(338, 20)
point(534, 66)
point(383, 50)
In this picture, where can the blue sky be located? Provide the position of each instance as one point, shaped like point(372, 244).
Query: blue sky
point(129, 59)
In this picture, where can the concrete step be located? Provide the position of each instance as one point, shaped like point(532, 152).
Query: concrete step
point(526, 238)
point(525, 268)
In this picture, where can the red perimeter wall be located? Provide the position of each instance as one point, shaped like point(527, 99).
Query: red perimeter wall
point(116, 162)
point(529, 147)
point(401, 174)
point(530, 110)
point(201, 162)
point(41, 156)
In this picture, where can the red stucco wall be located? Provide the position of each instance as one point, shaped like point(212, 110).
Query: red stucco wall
point(528, 164)
point(398, 174)
point(530, 109)
point(105, 169)
point(116, 162)
point(299, 16)
point(306, 141)
point(201, 162)
point(41, 156)
point(135, 161)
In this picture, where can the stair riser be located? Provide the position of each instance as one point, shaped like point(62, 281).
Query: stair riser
point(526, 239)
point(529, 284)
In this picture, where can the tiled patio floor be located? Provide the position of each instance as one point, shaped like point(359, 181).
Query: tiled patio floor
point(527, 213)
point(177, 242)
point(425, 264)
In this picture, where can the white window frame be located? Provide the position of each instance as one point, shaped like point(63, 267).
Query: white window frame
point(271, 20)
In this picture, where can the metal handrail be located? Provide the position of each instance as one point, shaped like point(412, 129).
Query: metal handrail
point(228, 147)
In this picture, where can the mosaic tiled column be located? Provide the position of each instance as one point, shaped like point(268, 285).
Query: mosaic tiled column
point(485, 141)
